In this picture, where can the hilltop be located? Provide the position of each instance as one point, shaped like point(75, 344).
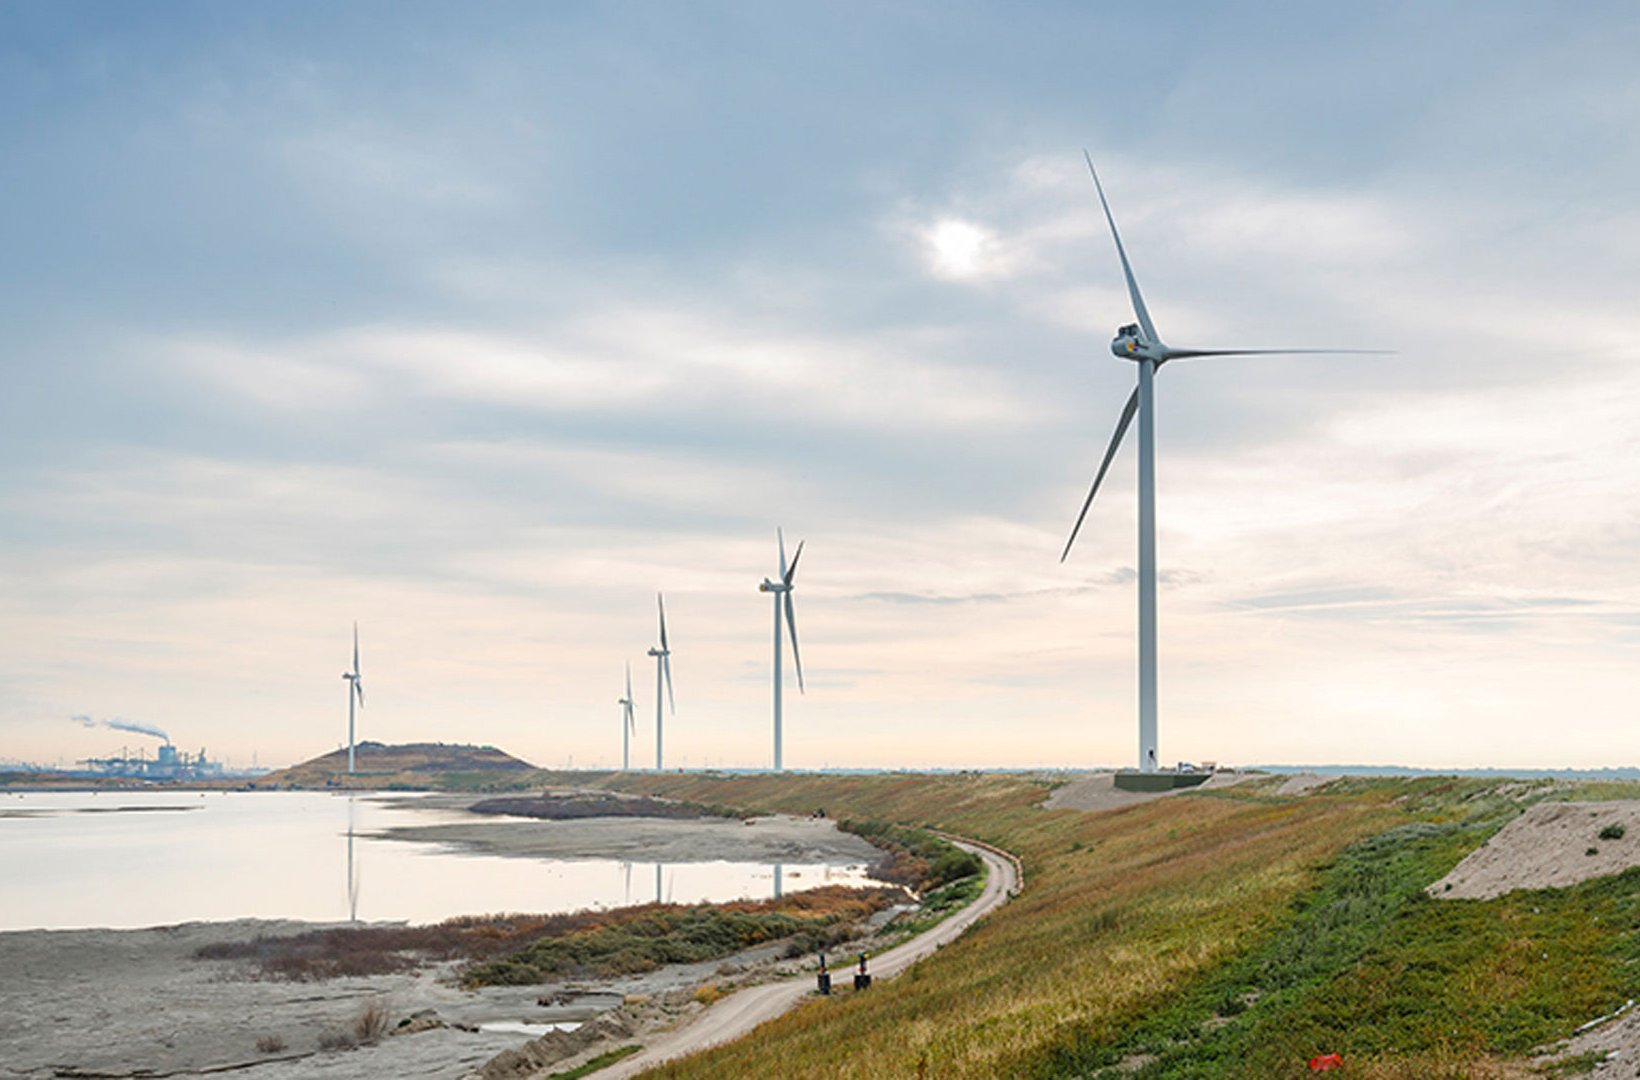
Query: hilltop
point(409, 765)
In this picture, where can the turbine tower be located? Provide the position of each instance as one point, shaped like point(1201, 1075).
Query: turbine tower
point(629, 724)
point(1140, 343)
point(663, 673)
point(355, 689)
point(782, 592)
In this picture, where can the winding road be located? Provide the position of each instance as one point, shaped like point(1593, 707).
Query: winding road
point(740, 1012)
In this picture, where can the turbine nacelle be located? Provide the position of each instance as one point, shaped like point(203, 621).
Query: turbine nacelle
point(1130, 344)
point(774, 586)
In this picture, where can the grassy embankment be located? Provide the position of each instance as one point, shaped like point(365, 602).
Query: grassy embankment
point(1215, 934)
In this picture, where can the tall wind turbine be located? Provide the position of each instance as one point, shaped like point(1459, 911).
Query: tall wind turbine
point(782, 592)
point(663, 672)
point(629, 723)
point(1140, 343)
point(355, 689)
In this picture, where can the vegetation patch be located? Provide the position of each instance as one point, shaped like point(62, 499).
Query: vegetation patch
point(667, 934)
point(917, 858)
point(521, 949)
point(1370, 967)
point(938, 905)
point(602, 1061)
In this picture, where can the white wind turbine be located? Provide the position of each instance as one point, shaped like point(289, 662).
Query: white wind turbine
point(629, 723)
point(355, 689)
point(663, 672)
point(782, 592)
point(1140, 343)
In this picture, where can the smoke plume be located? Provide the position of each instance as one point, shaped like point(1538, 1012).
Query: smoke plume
point(123, 725)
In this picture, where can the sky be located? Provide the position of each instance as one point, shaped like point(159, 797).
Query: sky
point(478, 325)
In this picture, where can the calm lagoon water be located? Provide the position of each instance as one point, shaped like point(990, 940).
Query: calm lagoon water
point(151, 858)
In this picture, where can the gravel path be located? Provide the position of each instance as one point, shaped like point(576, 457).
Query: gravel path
point(740, 1012)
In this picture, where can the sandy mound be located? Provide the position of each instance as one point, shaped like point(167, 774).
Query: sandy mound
point(1551, 845)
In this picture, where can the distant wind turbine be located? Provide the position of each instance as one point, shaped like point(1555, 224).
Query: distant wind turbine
point(355, 689)
point(1140, 343)
point(782, 592)
point(663, 673)
point(629, 724)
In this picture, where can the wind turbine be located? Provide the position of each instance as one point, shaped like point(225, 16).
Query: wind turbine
point(663, 672)
point(1140, 343)
point(355, 689)
point(629, 725)
point(782, 592)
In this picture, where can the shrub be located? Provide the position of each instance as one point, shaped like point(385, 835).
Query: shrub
point(1614, 831)
point(371, 1023)
point(336, 1040)
point(269, 1044)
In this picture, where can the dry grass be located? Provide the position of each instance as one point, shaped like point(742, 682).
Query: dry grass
point(372, 1022)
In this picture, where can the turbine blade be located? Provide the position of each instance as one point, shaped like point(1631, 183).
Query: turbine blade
point(781, 535)
point(666, 668)
point(1128, 410)
point(791, 625)
point(791, 572)
point(1139, 309)
point(629, 680)
point(358, 688)
point(661, 601)
point(1185, 354)
point(355, 648)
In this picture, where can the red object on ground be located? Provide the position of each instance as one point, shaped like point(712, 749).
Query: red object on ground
point(1326, 1062)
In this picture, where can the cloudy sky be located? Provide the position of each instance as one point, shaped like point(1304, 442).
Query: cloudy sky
point(480, 324)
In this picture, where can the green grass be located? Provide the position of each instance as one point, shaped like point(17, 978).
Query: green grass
point(602, 1061)
point(1370, 967)
point(937, 906)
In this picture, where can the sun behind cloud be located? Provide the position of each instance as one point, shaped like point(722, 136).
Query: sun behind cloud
point(963, 251)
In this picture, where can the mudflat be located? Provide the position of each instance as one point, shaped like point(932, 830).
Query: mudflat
point(763, 839)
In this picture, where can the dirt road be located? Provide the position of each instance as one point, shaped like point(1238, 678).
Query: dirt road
point(740, 1012)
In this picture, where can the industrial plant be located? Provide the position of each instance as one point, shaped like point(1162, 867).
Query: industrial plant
point(168, 763)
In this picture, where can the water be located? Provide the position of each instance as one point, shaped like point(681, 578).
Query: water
point(152, 858)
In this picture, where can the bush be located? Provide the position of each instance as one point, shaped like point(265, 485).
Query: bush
point(269, 1044)
point(371, 1023)
point(1613, 831)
